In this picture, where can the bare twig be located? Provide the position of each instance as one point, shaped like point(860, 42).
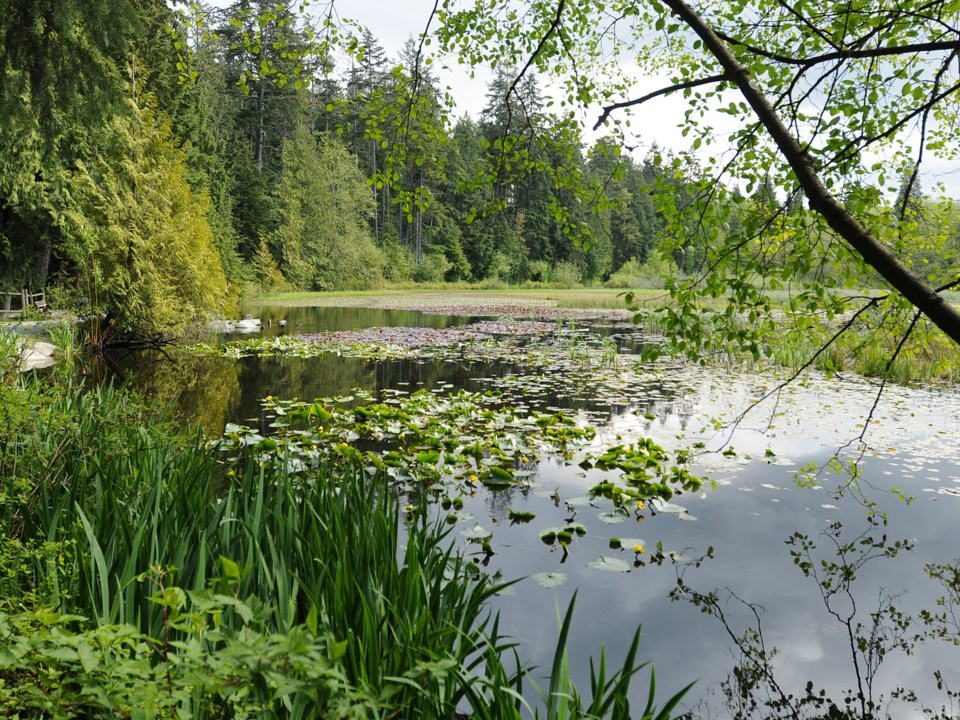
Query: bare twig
point(608, 109)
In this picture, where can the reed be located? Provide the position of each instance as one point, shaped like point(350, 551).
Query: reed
point(927, 357)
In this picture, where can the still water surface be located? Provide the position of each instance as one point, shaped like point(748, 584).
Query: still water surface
point(746, 515)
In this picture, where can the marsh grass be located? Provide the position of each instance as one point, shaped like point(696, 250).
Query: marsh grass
point(219, 586)
point(64, 336)
point(9, 357)
point(580, 298)
point(927, 357)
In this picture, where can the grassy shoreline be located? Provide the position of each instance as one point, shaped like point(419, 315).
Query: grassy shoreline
point(429, 297)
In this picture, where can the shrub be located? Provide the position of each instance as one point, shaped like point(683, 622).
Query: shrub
point(433, 267)
point(398, 263)
point(540, 271)
point(568, 274)
point(649, 275)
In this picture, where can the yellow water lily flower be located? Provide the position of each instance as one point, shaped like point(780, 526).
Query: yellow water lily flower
point(639, 549)
point(641, 505)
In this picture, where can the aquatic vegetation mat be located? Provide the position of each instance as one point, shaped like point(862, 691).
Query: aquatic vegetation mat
point(562, 361)
point(441, 447)
point(416, 437)
point(423, 437)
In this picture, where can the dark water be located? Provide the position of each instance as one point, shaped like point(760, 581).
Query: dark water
point(329, 319)
point(746, 518)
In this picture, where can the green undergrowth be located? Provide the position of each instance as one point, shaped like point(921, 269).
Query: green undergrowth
point(145, 572)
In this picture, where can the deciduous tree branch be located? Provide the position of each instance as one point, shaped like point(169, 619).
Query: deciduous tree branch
point(915, 289)
point(846, 54)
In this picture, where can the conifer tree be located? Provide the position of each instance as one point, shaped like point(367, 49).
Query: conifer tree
point(138, 235)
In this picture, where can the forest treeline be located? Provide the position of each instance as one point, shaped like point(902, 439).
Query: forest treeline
point(159, 165)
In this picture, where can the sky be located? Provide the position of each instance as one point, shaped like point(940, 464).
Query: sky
point(392, 22)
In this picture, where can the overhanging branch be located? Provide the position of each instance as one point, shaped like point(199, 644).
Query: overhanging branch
point(850, 54)
point(910, 285)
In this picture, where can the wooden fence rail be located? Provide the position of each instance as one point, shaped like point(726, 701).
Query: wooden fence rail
point(13, 303)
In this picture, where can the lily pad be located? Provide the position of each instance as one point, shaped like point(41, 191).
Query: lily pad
point(549, 579)
point(613, 517)
point(609, 564)
point(520, 516)
point(477, 533)
point(662, 506)
point(549, 536)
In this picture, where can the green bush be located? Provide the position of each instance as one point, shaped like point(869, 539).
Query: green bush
point(399, 264)
point(64, 666)
point(568, 274)
point(649, 275)
point(540, 271)
point(433, 267)
point(503, 268)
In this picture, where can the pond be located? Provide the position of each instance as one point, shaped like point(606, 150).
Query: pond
point(765, 484)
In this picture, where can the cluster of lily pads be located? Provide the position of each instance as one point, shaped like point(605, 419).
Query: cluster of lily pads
point(289, 346)
point(445, 445)
point(417, 437)
point(543, 360)
point(644, 472)
point(422, 437)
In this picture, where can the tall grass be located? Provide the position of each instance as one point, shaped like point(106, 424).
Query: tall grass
point(311, 597)
point(926, 357)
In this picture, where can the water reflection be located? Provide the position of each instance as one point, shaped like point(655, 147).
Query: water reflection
point(331, 319)
point(203, 390)
point(747, 518)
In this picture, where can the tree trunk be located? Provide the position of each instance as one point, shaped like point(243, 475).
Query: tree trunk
point(261, 111)
point(376, 200)
point(42, 268)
